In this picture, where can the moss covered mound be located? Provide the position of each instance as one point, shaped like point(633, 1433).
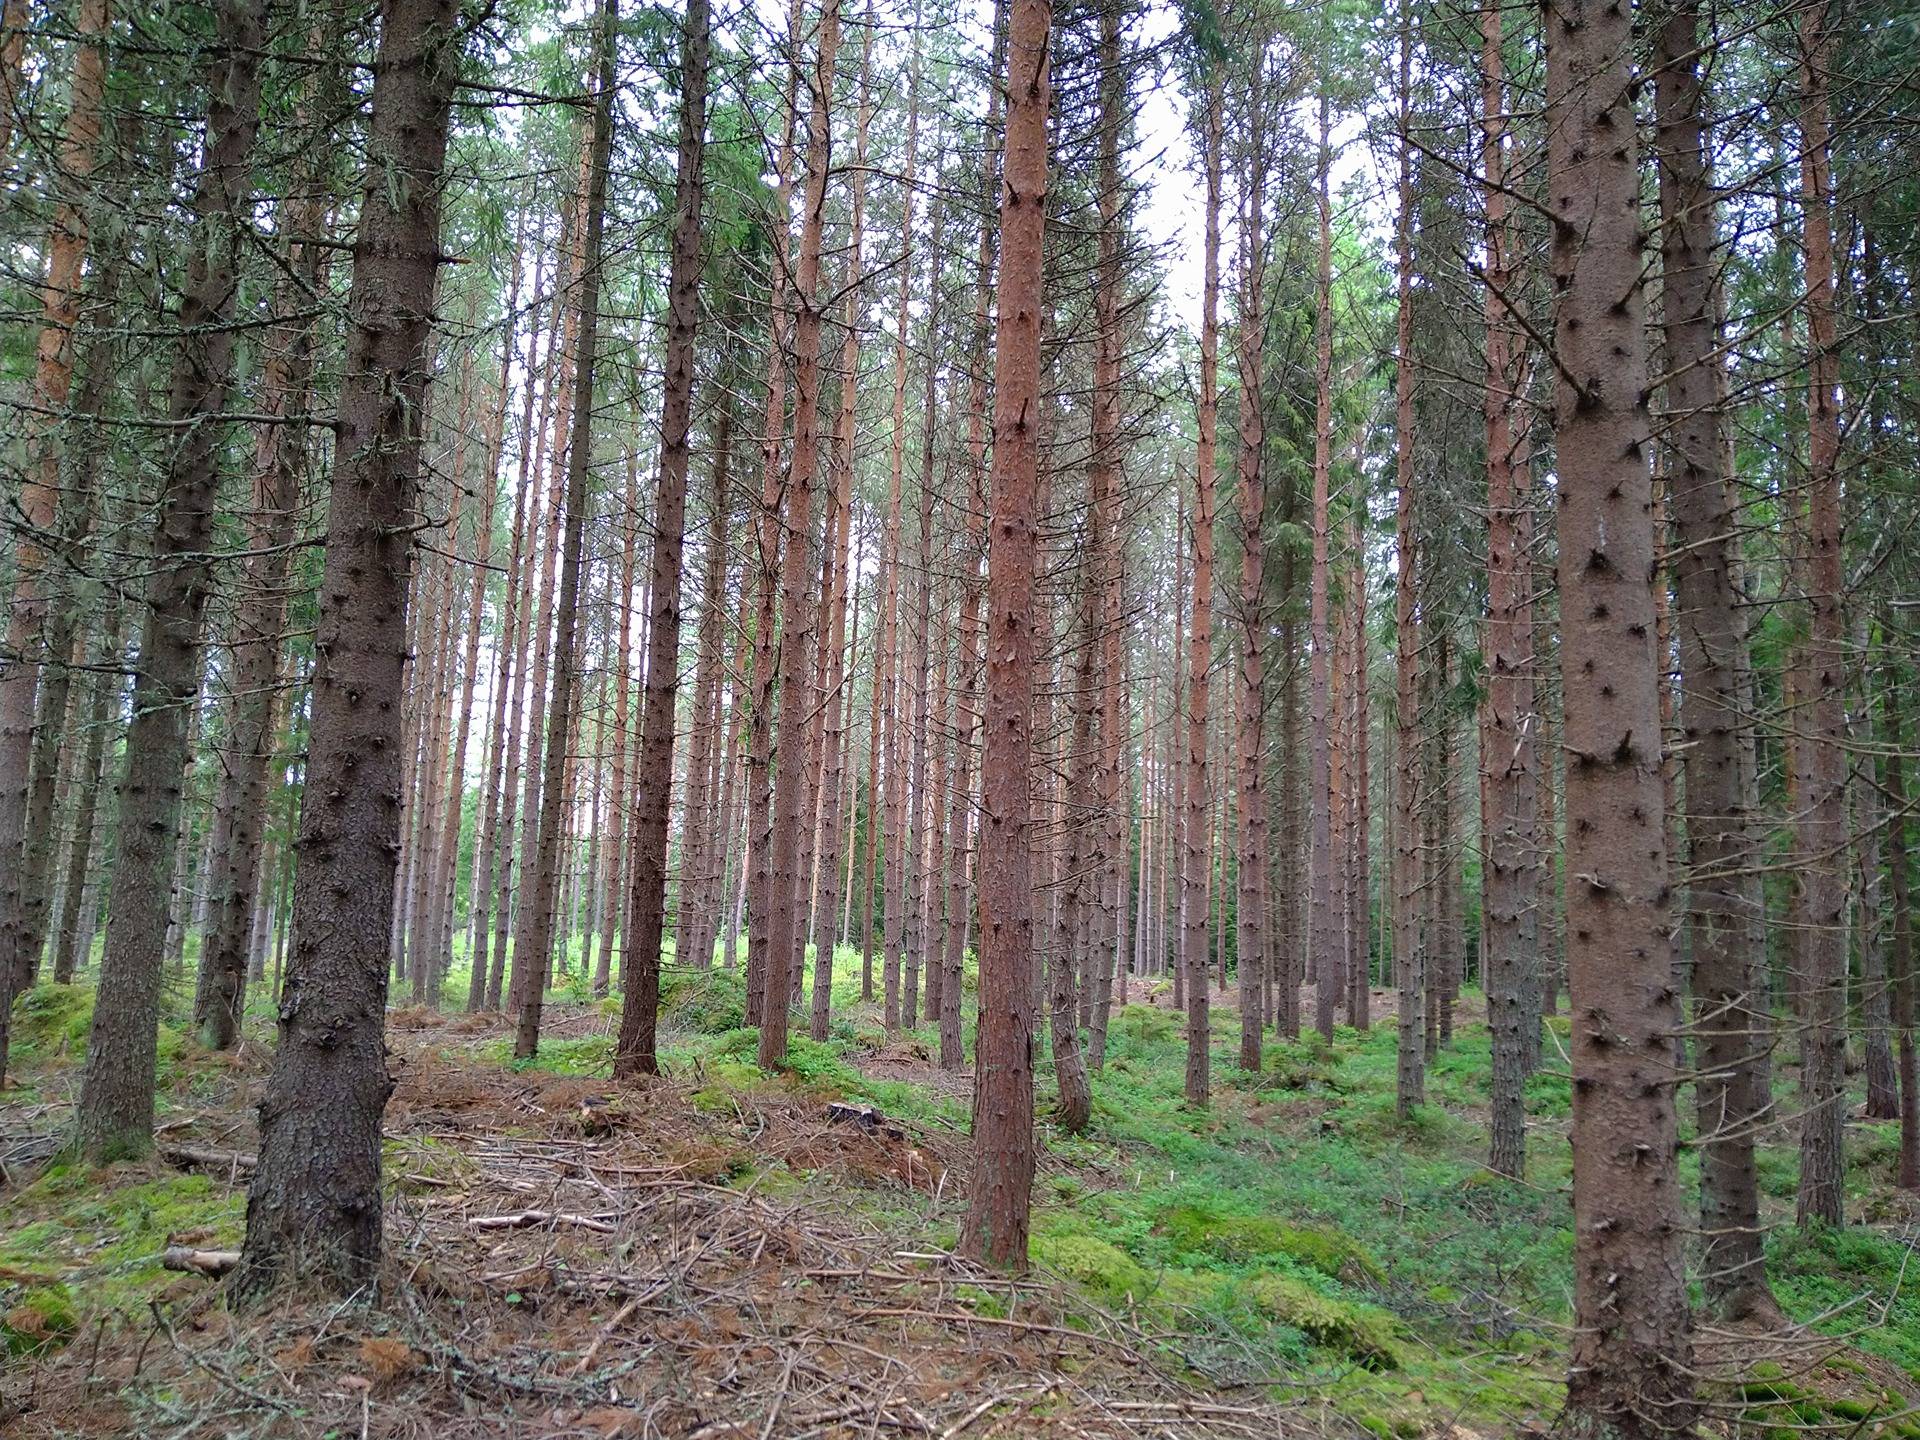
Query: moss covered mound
point(1361, 1332)
point(1245, 1239)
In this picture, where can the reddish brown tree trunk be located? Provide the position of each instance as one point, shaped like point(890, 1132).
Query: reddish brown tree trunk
point(995, 1229)
point(535, 939)
point(785, 899)
point(20, 658)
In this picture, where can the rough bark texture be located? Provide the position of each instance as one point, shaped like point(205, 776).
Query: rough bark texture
point(115, 1115)
point(1822, 827)
point(996, 1224)
point(1507, 722)
point(314, 1208)
point(1629, 1372)
point(1730, 1020)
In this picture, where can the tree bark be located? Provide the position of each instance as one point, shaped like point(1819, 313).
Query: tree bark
point(785, 902)
point(1197, 868)
point(1409, 945)
point(1629, 1374)
point(1822, 825)
point(314, 1207)
point(536, 939)
point(115, 1116)
point(1730, 1019)
point(1508, 724)
point(22, 653)
point(995, 1229)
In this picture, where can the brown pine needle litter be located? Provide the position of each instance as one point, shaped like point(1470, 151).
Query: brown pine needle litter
point(570, 1258)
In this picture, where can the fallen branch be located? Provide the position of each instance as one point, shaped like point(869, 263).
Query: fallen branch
point(210, 1263)
point(521, 1219)
point(199, 1157)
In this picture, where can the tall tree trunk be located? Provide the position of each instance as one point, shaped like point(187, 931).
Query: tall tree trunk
point(115, 1115)
point(995, 1228)
point(73, 937)
point(280, 460)
point(1197, 869)
point(1730, 1019)
point(21, 654)
point(1822, 825)
point(1629, 1374)
point(489, 961)
point(1507, 731)
point(535, 941)
point(1250, 730)
point(784, 932)
point(1322, 935)
point(836, 708)
point(1901, 960)
point(314, 1207)
point(1409, 945)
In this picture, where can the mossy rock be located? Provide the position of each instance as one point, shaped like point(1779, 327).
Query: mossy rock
point(1239, 1239)
point(1360, 1332)
point(43, 1318)
point(1105, 1270)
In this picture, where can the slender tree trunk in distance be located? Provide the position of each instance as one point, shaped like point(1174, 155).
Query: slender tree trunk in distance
point(1822, 826)
point(1629, 1373)
point(1409, 945)
point(634, 1053)
point(279, 463)
point(115, 1116)
point(314, 1207)
point(998, 1202)
point(537, 937)
point(1507, 733)
point(1901, 960)
point(1197, 868)
point(1250, 732)
point(785, 919)
point(1322, 935)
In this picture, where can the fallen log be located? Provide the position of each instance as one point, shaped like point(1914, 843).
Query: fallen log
point(210, 1263)
point(201, 1157)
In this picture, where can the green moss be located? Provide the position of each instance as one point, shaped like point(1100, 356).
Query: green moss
point(51, 1021)
point(1360, 1332)
point(1238, 1239)
point(1106, 1271)
point(104, 1240)
point(42, 1318)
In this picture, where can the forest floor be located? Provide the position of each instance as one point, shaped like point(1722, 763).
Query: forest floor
point(711, 1255)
